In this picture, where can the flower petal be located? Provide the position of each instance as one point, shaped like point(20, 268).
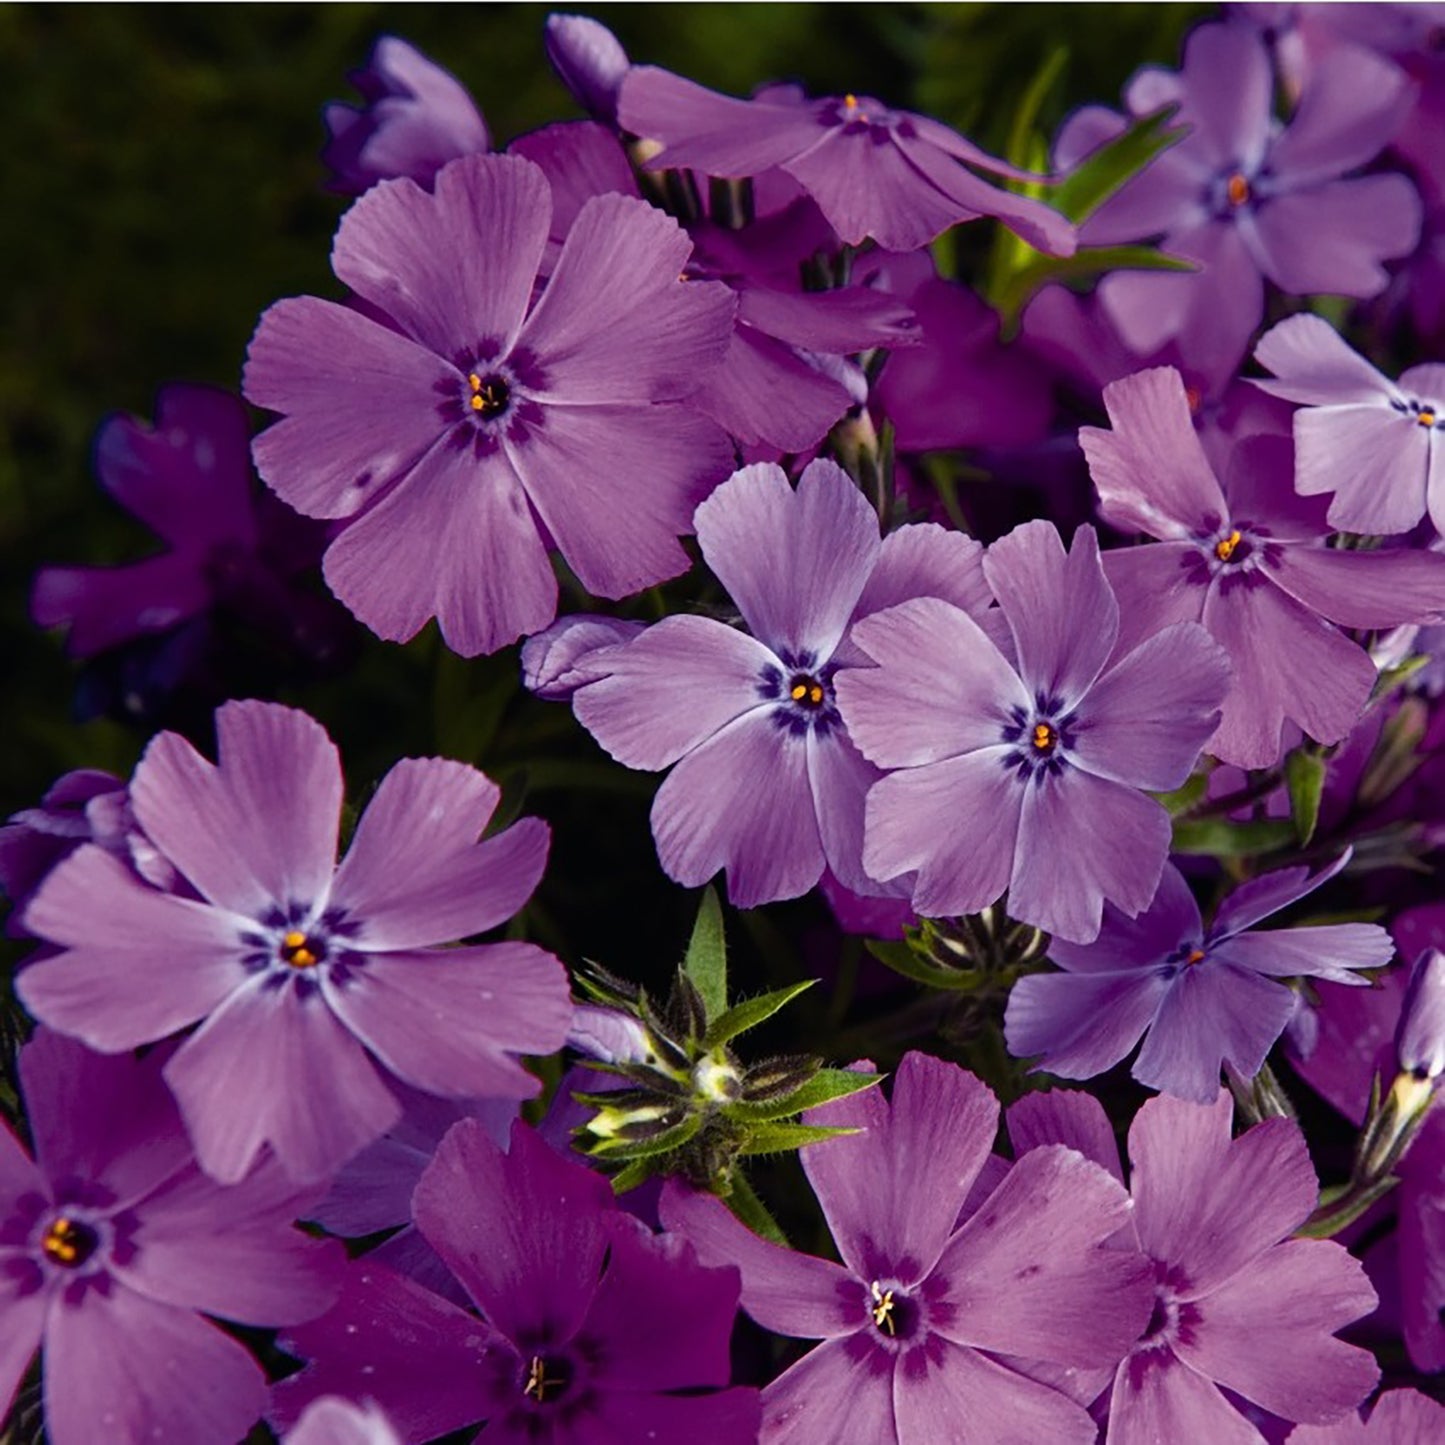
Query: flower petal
point(1157, 1397)
point(1329, 951)
point(1380, 588)
point(1157, 585)
point(1065, 1116)
point(1079, 1025)
point(842, 1390)
point(1315, 365)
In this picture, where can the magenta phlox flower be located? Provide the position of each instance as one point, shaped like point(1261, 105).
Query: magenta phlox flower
point(914, 1319)
point(313, 983)
point(114, 1248)
point(1398, 1417)
point(766, 782)
point(1240, 1305)
point(415, 119)
point(1369, 442)
point(1250, 561)
point(1199, 997)
point(1245, 200)
point(876, 172)
point(592, 1330)
point(1026, 776)
point(334, 1421)
point(466, 424)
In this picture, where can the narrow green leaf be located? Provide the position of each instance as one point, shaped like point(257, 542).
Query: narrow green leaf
point(742, 1199)
point(1026, 118)
point(902, 959)
point(778, 1138)
point(751, 1012)
point(706, 963)
point(1120, 160)
point(638, 1172)
point(1304, 772)
point(1220, 838)
point(1086, 263)
point(1340, 1207)
point(822, 1088)
point(1185, 797)
point(662, 1143)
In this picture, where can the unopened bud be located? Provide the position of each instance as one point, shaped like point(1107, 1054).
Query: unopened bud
point(1420, 1034)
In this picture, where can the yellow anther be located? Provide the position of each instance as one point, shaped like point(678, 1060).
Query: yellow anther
point(799, 692)
point(1237, 189)
point(296, 950)
point(474, 381)
point(479, 403)
point(537, 1380)
point(1193, 397)
point(1044, 737)
point(1224, 548)
point(62, 1241)
point(851, 101)
point(1426, 417)
point(1196, 955)
point(882, 1308)
point(294, 939)
point(815, 694)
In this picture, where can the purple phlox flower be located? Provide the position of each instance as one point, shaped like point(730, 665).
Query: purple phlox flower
point(590, 60)
point(1245, 200)
point(589, 1326)
point(1250, 561)
point(1420, 1036)
point(372, 1191)
point(896, 177)
point(1239, 1304)
point(1369, 442)
point(334, 1421)
point(313, 983)
point(866, 913)
point(767, 783)
point(556, 661)
point(1027, 776)
point(1200, 997)
point(415, 119)
point(1398, 1417)
point(473, 425)
point(114, 1246)
point(914, 1319)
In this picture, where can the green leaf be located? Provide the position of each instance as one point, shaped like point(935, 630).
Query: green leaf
point(706, 963)
point(1219, 838)
point(750, 1013)
point(825, 1086)
point(1304, 772)
point(778, 1138)
point(742, 1199)
point(1086, 262)
point(638, 1172)
point(1120, 160)
point(1341, 1206)
point(1025, 125)
point(1183, 798)
point(901, 958)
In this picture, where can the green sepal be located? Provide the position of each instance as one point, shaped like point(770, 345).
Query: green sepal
point(1394, 677)
point(902, 958)
point(661, 1143)
point(1304, 773)
point(825, 1086)
point(1183, 798)
point(1120, 160)
point(706, 963)
point(779, 1138)
point(1219, 838)
point(752, 1212)
point(1340, 1206)
point(750, 1013)
point(638, 1172)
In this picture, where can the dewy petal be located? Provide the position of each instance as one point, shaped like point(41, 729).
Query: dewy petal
point(1150, 471)
point(1079, 1025)
point(1059, 607)
point(1157, 584)
point(1315, 365)
point(1026, 1275)
point(1212, 1013)
point(312, 1093)
point(1328, 951)
point(784, 1290)
point(1147, 718)
point(955, 823)
point(258, 828)
point(941, 687)
point(617, 324)
point(458, 542)
point(742, 801)
point(616, 485)
point(944, 1394)
point(891, 1193)
point(1211, 1205)
point(119, 1367)
point(455, 265)
point(1157, 1398)
point(524, 1231)
point(1083, 839)
point(359, 404)
point(843, 1390)
point(795, 562)
point(448, 1021)
point(1267, 1333)
point(1380, 588)
point(1065, 1116)
point(669, 690)
point(139, 964)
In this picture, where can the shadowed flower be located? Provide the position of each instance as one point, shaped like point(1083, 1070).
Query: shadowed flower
point(312, 982)
point(333, 1421)
point(1398, 1417)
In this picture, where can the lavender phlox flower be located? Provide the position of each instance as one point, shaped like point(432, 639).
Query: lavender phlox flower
point(1398, 1417)
point(1027, 776)
point(555, 661)
point(590, 60)
point(415, 119)
point(592, 1330)
point(876, 172)
point(469, 422)
point(114, 1248)
point(312, 982)
point(1199, 997)
point(1249, 560)
point(1367, 441)
point(914, 1319)
point(767, 783)
point(1245, 200)
point(1239, 1304)
point(334, 1421)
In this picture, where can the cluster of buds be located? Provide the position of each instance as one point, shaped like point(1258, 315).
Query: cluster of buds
point(983, 953)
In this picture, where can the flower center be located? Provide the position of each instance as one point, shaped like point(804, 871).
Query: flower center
point(69, 1243)
point(882, 1309)
point(490, 395)
point(1225, 548)
point(1236, 189)
point(300, 950)
point(546, 1378)
point(806, 689)
point(894, 1312)
point(1045, 738)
